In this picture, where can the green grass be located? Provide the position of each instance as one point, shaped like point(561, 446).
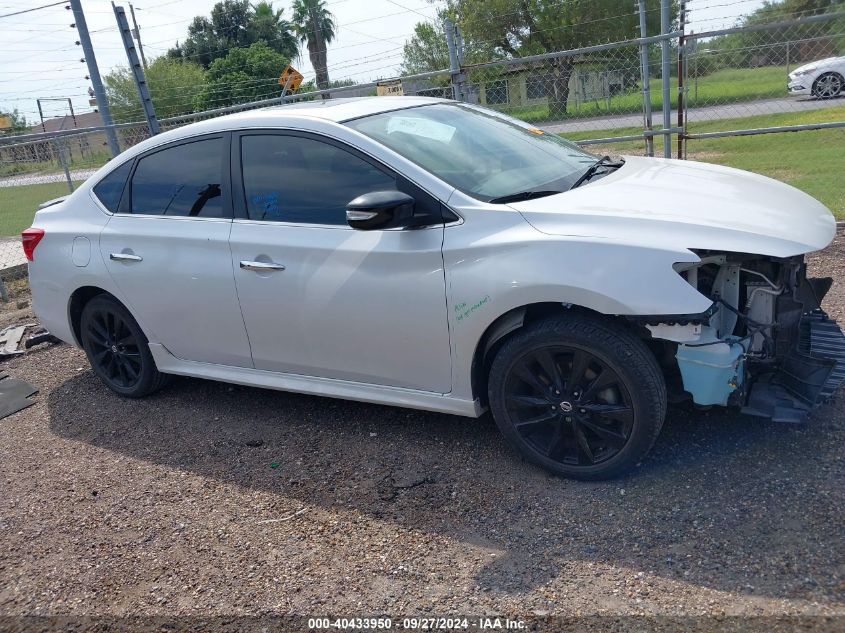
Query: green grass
point(723, 86)
point(91, 159)
point(813, 161)
point(18, 204)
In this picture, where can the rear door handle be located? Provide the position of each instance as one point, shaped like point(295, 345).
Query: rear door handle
point(261, 266)
point(125, 257)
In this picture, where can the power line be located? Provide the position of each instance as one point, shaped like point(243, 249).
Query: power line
point(43, 6)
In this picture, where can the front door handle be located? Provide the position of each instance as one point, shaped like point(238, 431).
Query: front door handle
point(261, 266)
point(125, 257)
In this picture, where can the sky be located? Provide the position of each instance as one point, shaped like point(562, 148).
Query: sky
point(39, 58)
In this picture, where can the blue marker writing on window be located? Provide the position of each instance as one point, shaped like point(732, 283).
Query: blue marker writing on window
point(268, 203)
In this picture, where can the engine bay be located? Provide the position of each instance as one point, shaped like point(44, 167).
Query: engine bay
point(765, 345)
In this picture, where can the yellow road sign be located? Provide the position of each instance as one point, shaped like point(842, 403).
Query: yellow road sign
point(291, 78)
point(5, 122)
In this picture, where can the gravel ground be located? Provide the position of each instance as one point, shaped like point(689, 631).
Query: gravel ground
point(208, 499)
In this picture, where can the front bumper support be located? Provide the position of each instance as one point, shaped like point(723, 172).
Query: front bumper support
point(808, 376)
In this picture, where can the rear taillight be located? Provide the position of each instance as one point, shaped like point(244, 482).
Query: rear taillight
point(30, 239)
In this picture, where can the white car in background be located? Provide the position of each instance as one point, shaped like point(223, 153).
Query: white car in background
point(824, 79)
point(430, 254)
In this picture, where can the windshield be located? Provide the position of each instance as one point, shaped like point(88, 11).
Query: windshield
point(479, 152)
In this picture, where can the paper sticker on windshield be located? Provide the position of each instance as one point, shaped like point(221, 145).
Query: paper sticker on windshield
point(421, 127)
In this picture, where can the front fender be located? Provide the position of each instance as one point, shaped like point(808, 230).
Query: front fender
point(519, 266)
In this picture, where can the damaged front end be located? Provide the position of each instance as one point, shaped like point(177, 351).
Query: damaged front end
point(765, 344)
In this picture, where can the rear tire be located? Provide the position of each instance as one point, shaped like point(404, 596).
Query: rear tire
point(578, 395)
point(117, 349)
point(828, 86)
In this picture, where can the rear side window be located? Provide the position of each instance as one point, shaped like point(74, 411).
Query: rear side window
point(184, 180)
point(304, 181)
point(110, 189)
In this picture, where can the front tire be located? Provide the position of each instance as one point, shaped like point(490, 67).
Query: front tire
point(828, 86)
point(117, 349)
point(578, 395)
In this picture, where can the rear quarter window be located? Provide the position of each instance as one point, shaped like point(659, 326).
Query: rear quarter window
point(110, 189)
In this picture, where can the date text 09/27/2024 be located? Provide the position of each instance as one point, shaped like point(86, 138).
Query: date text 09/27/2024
point(424, 624)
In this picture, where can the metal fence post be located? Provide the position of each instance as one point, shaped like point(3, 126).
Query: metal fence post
point(454, 62)
point(787, 60)
point(59, 148)
point(681, 72)
point(665, 76)
point(137, 69)
point(646, 79)
point(94, 74)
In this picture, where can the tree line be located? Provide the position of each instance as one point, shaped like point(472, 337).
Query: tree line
point(234, 55)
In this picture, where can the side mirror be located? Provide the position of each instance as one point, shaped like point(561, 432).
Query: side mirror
point(380, 210)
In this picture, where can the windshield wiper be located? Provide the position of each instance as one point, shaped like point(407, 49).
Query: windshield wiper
point(523, 195)
point(604, 161)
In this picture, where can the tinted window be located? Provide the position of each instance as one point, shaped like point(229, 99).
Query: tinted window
point(184, 180)
point(296, 179)
point(110, 188)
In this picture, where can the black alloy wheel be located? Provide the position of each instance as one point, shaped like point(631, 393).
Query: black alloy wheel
point(578, 394)
point(117, 348)
point(568, 405)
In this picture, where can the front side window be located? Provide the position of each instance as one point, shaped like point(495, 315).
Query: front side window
point(110, 189)
point(304, 181)
point(184, 180)
point(480, 152)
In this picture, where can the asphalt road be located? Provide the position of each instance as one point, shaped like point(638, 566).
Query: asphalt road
point(704, 113)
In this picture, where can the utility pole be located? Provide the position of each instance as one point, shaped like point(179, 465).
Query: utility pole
point(454, 60)
point(137, 33)
point(459, 45)
point(137, 70)
point(94, 73)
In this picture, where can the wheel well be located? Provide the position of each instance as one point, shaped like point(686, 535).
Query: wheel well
point(78, 300)
point(828, 72)
point(498, 332)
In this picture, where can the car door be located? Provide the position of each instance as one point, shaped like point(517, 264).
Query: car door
point(320, 298)
point(167, 249)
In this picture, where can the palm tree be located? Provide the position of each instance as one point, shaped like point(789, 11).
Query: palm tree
point(314, 25)
point(267, 24)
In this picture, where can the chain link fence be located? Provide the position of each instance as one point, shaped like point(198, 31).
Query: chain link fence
point(728, 102)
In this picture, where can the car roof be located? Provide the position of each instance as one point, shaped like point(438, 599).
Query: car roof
point(336, 110)
point(339, 110)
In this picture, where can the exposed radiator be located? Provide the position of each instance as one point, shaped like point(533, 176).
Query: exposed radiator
point(820, 337)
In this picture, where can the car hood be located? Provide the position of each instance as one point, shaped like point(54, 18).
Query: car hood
point(684, 204)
